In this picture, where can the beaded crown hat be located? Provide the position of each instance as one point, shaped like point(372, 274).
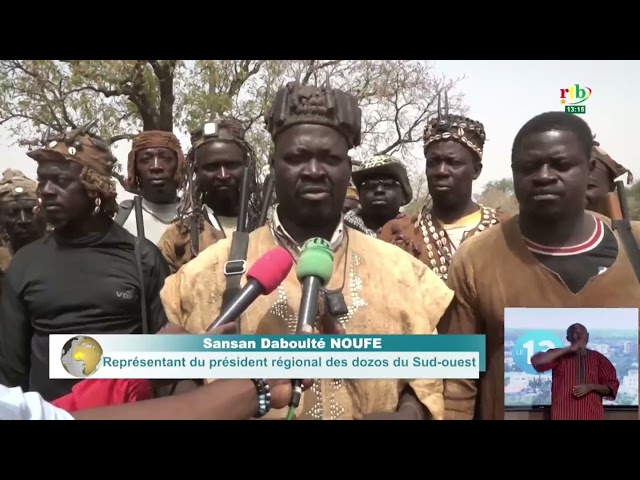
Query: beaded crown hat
point(445, 126)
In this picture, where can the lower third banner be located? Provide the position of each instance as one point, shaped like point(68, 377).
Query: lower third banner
point(267, 356)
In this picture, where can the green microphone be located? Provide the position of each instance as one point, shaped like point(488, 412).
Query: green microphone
point(314, 270)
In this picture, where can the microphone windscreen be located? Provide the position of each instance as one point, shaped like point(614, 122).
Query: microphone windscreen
point(271, 269)
point(316, 260)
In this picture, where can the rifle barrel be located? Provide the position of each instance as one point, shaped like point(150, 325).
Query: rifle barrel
point(622, 197)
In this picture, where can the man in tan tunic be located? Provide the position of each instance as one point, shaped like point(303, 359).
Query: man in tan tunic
point(453, 149)
point(553, 254)
point(382, 290)
point(19, 206)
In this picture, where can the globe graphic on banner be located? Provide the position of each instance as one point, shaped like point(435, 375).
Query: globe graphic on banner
point(81, 356)
point(530, 343)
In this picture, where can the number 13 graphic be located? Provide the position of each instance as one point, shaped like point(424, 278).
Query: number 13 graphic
point(543, 346)
point(530, 343)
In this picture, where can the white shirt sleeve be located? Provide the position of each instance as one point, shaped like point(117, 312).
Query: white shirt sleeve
point(17, 405)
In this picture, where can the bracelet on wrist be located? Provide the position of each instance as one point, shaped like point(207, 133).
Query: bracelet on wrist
point(264, 397)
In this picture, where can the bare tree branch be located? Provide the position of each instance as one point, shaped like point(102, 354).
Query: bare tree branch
point(397, 98)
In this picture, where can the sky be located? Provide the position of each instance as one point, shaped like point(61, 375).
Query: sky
point(503, 95)
point(554, 318)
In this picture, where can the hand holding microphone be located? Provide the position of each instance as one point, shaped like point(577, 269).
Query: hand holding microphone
point(263, 277)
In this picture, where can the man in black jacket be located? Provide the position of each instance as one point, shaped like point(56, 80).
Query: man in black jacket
point(82, 279)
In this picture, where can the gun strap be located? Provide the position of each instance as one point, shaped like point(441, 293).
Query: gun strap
point(143, 293)
point(236, 265)
point(137, 208)
point(194, 236)
point(630, 245)
point(124, 210)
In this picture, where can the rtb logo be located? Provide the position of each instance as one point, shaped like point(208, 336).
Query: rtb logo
point(574, 97)
point(527, 345)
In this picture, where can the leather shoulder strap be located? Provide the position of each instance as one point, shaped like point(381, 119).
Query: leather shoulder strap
point(630, 245)
point(236, 265)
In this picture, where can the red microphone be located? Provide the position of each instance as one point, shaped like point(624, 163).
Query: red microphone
point(263, 277)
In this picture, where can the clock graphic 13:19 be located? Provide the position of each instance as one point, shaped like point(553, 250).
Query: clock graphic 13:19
point(532, 342)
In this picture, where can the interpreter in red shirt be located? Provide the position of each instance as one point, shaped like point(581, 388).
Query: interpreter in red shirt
point(580, 378)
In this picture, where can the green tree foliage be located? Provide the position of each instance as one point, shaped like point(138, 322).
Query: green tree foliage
point(127, 96)
point(633, 200)
point(123, 95)
point(499, 194)
point(495, 194)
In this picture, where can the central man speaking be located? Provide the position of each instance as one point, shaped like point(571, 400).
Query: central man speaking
point(372, 288)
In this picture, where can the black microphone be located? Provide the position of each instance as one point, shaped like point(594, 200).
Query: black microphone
point(314, 270)
point(263, 277)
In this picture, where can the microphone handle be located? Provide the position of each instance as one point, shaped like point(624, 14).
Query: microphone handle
point(239, 304)
point(308, 303)
point(306, 316)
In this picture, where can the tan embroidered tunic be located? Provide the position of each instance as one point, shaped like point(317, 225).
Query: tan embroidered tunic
point(5, 258)
point(176, 245)
point(386, 291)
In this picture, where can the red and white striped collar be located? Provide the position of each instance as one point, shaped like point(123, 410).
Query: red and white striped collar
point(592, 242)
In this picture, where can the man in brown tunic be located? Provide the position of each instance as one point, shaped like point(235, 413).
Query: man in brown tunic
point(383, 187)
point(453, 149)
point(553, 254)
point(18, 203)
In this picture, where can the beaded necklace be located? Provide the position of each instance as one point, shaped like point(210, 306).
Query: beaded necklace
point(434, 234)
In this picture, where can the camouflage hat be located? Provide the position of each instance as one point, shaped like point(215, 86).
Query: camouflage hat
point(15, 185)
point(384, 166)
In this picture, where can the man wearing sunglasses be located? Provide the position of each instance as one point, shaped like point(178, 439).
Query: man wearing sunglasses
point(383, 187)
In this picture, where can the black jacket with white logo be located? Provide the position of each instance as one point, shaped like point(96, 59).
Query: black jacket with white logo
point(84, 286)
